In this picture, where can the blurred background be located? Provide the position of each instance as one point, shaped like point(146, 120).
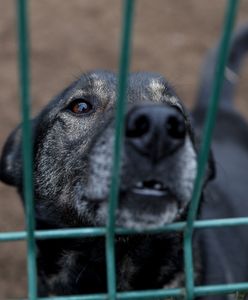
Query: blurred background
point(170, 37)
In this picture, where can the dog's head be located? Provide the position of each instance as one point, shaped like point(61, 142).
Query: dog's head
point(73, 154)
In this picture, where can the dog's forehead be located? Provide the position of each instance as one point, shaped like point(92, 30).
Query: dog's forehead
point(102, 84)
point(152, 87)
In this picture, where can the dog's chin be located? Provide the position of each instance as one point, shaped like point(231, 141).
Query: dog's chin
point(143, 220)
point(146, 208)
point(139, 209)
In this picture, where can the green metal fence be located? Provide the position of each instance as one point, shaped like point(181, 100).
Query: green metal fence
point(190, 291)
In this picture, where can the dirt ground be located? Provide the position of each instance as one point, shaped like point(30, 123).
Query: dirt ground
point(69, 37)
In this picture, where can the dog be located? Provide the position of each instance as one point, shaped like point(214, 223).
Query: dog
point(72, 156)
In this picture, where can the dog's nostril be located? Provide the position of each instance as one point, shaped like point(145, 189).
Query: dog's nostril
point(175, 127)
point(138, 127)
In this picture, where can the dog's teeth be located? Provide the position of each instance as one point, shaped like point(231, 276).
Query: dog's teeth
point(158, 186)
point(139, 184)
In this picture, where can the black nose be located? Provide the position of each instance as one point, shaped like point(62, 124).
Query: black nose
point(155, 130)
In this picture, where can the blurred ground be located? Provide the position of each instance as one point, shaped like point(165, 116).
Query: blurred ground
point(69, 37)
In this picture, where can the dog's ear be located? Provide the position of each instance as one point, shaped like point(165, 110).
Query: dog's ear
point(211, 169)
point(11, 159)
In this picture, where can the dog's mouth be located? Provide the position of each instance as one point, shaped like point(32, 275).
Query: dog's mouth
point(147, 203)
point(152, 188)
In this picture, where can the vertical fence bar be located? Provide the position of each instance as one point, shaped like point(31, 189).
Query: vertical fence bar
point(27, 143)
point(230, 15)
point(122, 85)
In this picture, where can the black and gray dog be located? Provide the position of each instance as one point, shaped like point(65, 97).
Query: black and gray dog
point(73, 149)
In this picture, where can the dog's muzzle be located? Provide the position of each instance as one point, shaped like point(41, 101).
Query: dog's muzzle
point(153, 134)
point(158, 163)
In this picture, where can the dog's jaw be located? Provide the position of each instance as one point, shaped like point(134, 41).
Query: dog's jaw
point(130, 219)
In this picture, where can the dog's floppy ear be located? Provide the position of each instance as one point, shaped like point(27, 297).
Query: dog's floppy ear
point(211, 170)
point(11, 159)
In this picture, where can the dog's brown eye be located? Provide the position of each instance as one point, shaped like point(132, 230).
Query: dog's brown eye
point(80, 106)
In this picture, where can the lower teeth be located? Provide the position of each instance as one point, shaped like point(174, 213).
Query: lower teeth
point(158, 186)
point(139, 185)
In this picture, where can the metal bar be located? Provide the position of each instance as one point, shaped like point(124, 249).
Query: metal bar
point(151, 294)
point(115, 180)
point(23, 36)
point(221, 289)
point(94, 232)
point(161, 293)
point(230, 15)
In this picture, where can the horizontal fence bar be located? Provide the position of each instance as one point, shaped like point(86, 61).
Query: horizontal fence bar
point(101, 231)
point(162, 293)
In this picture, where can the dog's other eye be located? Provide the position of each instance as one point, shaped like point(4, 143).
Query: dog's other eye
point(80, 106)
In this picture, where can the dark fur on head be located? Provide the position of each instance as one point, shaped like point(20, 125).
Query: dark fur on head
point(73, 155)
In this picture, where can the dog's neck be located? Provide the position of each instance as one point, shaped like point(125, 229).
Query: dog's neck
point(80, 261)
